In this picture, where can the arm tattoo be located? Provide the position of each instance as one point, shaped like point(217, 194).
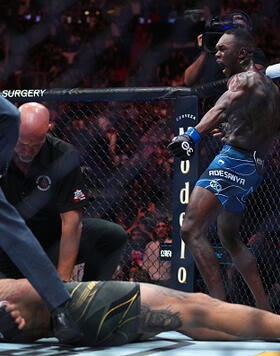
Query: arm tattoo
point(156, 321)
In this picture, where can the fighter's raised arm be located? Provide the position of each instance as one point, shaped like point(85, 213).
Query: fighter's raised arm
point(244, 88)
point(239, 85)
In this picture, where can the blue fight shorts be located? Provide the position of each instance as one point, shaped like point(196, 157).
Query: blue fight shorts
point(231, 176)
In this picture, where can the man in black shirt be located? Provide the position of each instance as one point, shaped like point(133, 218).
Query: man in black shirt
point(45, 184)
point(20, 244)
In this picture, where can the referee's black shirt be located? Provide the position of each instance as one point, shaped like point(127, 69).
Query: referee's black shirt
point(53, 185)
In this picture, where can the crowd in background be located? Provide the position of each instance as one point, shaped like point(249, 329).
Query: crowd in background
point(117, 43)
point(128, 173)
point(105, 43)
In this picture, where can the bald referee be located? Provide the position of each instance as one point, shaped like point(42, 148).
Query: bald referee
point(19, 243)
point(249, 110)
point(45, 184)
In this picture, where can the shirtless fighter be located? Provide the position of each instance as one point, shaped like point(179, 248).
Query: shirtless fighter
point(113, 313)
point(249, 110)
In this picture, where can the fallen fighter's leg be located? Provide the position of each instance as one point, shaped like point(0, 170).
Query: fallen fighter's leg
point(112, 313)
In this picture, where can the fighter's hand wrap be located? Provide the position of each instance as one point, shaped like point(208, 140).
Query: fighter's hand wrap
point(183, 146)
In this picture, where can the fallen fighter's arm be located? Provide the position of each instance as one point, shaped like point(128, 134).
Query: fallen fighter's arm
point(202, 317)
point(162, 309)
point(153, 320)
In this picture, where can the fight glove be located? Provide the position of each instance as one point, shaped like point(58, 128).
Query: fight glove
point(183, 146)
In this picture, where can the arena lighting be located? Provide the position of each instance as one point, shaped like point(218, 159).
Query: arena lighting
point(86, 12)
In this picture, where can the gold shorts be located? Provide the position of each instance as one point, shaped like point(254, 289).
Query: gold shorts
point(107, 312)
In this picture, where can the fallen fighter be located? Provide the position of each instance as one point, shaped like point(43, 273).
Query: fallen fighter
point(114, 313)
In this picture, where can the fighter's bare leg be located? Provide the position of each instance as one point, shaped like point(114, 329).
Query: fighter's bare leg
point(228, 230)
point(203, 317)
point(201, 211)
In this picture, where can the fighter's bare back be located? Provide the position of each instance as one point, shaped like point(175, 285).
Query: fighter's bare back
point(253, 117)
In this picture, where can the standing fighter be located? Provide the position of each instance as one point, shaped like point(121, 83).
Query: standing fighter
point(20, 244)
point(250, 108)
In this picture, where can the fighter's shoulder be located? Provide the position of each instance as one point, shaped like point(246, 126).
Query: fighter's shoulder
point(244, 80)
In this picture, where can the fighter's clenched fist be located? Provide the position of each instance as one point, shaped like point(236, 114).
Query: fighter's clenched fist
point(183, 146)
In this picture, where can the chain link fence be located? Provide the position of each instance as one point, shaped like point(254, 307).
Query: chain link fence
point(128, 175)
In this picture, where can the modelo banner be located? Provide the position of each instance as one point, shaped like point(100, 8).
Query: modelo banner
point(185, 176)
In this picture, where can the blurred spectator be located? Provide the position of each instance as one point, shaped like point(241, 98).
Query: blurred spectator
point(103, 145)
point(155, 39)
point(23, 7)
point(72, 49)
point(134, 250)
point(147, 214)
point(160, 272)
point(137, 242)
point(118, 73)
point(139, 275)
point(79, 134)
point(4, 44)
point(171, 71)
